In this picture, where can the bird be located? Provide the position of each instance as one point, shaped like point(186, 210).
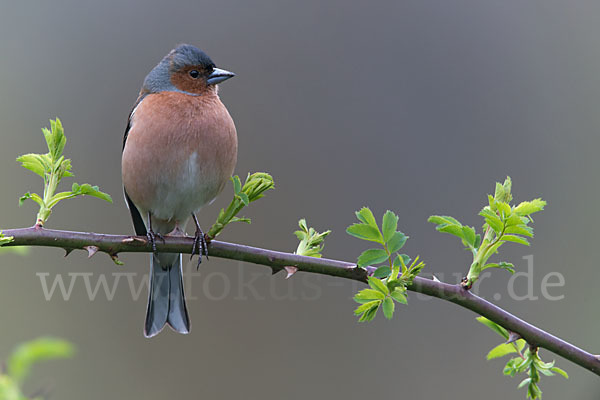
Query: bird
point(179, 151)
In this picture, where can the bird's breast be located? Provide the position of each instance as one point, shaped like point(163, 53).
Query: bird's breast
point(179, 153)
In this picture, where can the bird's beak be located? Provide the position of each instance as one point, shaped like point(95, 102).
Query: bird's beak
point(219, 75)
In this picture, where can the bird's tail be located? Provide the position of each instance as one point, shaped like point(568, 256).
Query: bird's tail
point(166, 300)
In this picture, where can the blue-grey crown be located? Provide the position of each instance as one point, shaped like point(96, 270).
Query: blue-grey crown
point(159, 79)
point(186, 54)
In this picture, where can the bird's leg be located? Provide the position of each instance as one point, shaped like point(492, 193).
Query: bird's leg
point(151, 235)
point(200, 244)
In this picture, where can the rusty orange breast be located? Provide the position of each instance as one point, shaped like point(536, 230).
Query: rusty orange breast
point(179, 154)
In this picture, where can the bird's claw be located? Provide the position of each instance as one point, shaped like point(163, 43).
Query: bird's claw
point(152, 238)
point(200, 246)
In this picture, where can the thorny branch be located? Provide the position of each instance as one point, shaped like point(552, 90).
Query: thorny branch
point(115, 244)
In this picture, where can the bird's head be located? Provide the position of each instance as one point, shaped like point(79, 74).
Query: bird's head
point(185, 69)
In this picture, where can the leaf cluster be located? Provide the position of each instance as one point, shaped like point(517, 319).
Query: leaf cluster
point(503, 223)
point(311, 241)
point(53, 167)
point(388, 283)
point(527, 361)
point(20, 362)
point(253, 189)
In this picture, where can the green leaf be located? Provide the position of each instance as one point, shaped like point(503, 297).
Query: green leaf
point(244, 198)
point(477, 243)
point(395, 272)
point(415, 267)
point(89, 190)
point(492, 220)
point(392, 284)
point(494, 248)
point(369, 315)
point(455, 230)
point(520, 230)
point(504, 209)
point(516, 239)
point(516, 219)
point(399, 296)
point(382, 272)
point(372, 257)
point(33, 196)
point(494, 326)
point(367, 295)
point(452, 226)
point(254, 187)
point(58, 140)
point(378, 285)
point(37, 163)
point(311, 241)
point(502, 265)
point(546, 372)
point(524, 382)
point(237, 184)
point(560, 372)
point(365, 215)
point(530, 207)
point(29, 353)
point(241, 219)
point(402, 259)
point(60, 196)
point(367, 306)
point(365, 232)
point(499, 192)
point(468, 233)
point(510, 368)
point(501, 350)
point(389, 225)
point(443, 220)
point(396, 242)
point(507, 190)
point(533, 391)
point(256, 184)
point(388, 307)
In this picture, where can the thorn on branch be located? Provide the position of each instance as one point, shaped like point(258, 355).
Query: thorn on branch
point(68, 251)
point(133, 239)
point(290, 271)
point(434, 278)
point(513, 337)
point(370, 270)
point(91, 250)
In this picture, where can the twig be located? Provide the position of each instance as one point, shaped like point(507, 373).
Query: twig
point(114, 244)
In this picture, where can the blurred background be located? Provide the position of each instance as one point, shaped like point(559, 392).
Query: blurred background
point(414, 106)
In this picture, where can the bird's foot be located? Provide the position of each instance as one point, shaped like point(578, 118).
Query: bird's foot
point(200, 246)
point(152, 238)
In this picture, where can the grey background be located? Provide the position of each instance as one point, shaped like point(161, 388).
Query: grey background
point(415, 106)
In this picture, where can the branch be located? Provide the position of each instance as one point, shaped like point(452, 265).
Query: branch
point(114, 244)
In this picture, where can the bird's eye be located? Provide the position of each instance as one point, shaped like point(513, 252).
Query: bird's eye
point(194, 74)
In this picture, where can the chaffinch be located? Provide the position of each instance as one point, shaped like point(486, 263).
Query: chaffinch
point(179, 150)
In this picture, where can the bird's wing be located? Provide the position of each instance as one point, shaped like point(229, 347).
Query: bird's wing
point(136, 217)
